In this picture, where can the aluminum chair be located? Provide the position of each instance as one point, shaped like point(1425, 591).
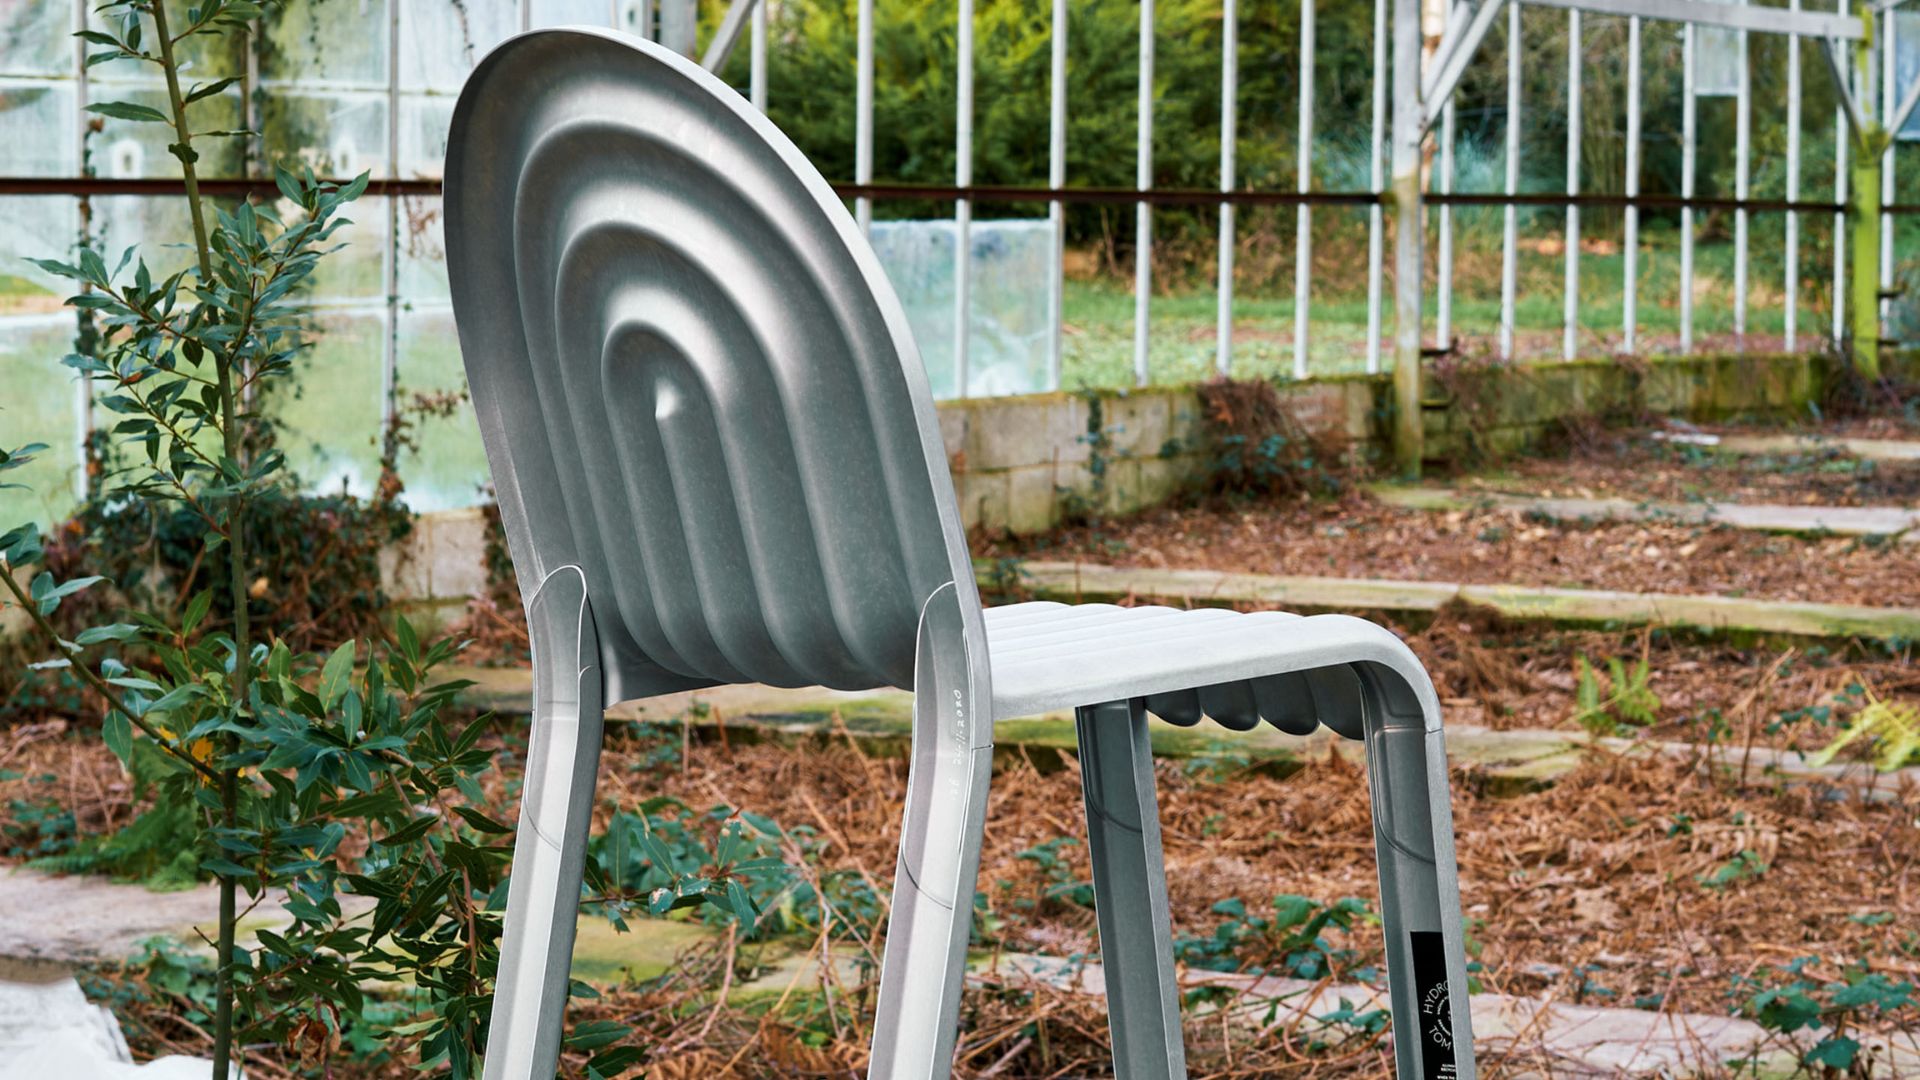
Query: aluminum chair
point(717, 461)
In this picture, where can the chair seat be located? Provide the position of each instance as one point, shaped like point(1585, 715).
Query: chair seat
point(1236, 668)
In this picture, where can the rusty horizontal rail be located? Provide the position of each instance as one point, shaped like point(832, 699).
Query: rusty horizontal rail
point(234, 187)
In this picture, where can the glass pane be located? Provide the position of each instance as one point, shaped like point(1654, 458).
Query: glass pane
point(330, 412)
point(424, 122)
point(35, 38)
point(340, 135)
point(35, 227)
point(42, 404)
point(446, 465)
point(1007, 345)
point(440, 40)
point(130, 149)
point(161, 227)
point(580, 12)
point(36, 126)
point(341, 44)
point(423, 253)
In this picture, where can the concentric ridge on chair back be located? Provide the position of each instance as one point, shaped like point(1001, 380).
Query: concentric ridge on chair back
point(691, 375)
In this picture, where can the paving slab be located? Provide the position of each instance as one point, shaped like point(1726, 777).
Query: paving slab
point(1761, 517)
point(81, 920)
point(1532, 1036)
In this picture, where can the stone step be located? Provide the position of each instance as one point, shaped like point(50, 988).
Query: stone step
point(1084, 582)
point(1560, 1039)
point(1870, 449)
point(1512, 760)
point(1760, 517)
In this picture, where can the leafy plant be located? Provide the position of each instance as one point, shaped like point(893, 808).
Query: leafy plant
point(1062, 886)
point(1746, 865)
point(1253, 447)
point(1627, 699)
point(1292, 941)
point(1787, 1001)
point(1893, 726)
point(655, 860)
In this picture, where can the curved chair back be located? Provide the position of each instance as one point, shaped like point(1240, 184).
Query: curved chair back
point(692, 377)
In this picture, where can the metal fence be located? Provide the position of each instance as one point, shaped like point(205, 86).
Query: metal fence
point(405, 97)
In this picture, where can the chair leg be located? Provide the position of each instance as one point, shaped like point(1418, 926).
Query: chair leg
point(1419, 880)
point(1130, 891)
point(917, 1013)
point(549, 848)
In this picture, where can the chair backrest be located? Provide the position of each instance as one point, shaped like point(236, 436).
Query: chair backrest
point(691, 375)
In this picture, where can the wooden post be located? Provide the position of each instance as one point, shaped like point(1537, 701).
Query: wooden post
point(1408, 230)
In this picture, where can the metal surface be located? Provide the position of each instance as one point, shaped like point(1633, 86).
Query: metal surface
point(863, 112)
point(1736, 16)
point(1630, 247)
point(1570, 318)
point(720, 47)
point(1056, 179)
point(1143, 211)
point(1229, 127)
point(963, 207)
point(1452, 58)
point(1376, 180)
point(1742, 157)
point(717, 460)
point(1303, 183)
point(1689, 122)
point(1790, 242)
point(1130, 890)
point(1510, 223)
point(1443, 271)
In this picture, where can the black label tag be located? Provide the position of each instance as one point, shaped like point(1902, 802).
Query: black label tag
point(1435, 1013)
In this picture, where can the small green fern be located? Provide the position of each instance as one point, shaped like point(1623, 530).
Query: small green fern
point(1893, 725)
point(1629, 698)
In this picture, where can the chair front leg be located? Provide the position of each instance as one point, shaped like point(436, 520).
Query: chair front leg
point(1419, 877)
point(550, 846)
point(918, 1011)
point(1130, 891)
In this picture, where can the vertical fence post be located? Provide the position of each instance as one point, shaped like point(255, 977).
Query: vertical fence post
point(963, 208)
point(1841, 143)
point(1443, 258)
point(1742, 156)
point(1791, 283)
point(1142, 210)
point(1689, 115)
point(1409, 227)
point(1056, 179)
point(863, 113)
point(1889, 104)
point(1571, 334)
point(1229, 91)
point(1510, 235)
point(757, 57)
point(1630, 257)
point(1376, 181)
point(1303, 183)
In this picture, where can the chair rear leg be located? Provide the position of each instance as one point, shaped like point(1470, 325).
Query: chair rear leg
point(549, 848)
point(1419, 881)
point(1130, 891)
